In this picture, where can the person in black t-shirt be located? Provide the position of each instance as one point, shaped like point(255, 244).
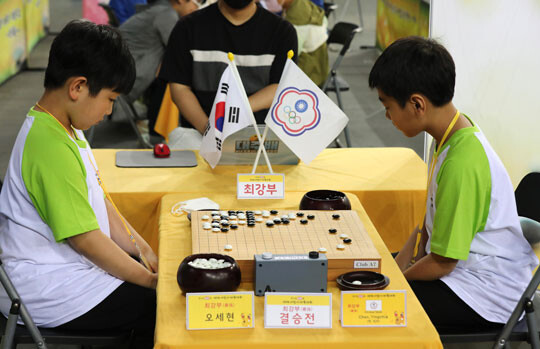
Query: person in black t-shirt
point(196, 56)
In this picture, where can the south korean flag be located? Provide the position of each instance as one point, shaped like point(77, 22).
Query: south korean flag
point(229, 114)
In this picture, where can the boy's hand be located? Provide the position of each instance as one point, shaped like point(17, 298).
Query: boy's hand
point(152, 280)
point(152, 260)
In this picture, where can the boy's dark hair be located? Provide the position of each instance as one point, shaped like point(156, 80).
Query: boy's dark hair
point(415, 65)
point(94, 51)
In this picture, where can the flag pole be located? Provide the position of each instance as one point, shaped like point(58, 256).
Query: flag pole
point(290, 55)
point(250, 112)
point(259, 150)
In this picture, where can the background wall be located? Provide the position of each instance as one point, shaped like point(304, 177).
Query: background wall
point(496, 47)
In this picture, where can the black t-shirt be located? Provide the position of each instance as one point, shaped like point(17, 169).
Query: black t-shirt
point(196, 54)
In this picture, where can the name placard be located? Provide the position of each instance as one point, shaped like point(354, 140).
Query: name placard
point(220, 310)
point(297, 310)
point(260, 186)
point(374, 308)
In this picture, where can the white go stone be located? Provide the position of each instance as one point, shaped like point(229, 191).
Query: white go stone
point(241, 216)
point(216, 230)
point(343, 236)
point(257, 213)
point(233, 218)
point(215, 225)
point(224, 221)
point(357, 282)
point(292, 216)
point(285, 216)
point(270, 222)
point(224, 213)
point(215, 213)
point(340, 247)
point(214, 218)
point(258, 219)
point(228, 247)
point(205, 217)
point(322, 250)
point(233, 222)
point(207, 226)
point(242, 222)
point(212, 263)
point(266, 213)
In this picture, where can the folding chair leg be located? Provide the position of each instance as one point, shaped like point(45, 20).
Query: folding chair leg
point(532, 325)
point(18, 307)
point(340, 104)
point(130, 112)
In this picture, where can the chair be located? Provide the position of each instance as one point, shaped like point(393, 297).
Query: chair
point(528, 196)
point(13, 334)
point(329, 8)
point(132, 117)
point(343, 33)
point(514, 330)
point(113, 20)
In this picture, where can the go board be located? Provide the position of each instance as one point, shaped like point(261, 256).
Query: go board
point(292, 238)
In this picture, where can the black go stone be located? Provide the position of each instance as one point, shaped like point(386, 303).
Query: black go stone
point(215, 221)
point(249, 212)
point(300, 214)
point(310, 216)
point(269, 224)
point(237, 212)
point(251, 224)
point(274, 212)
point(304, 221)
point(234, 226)
point(335, 216)
point(285, 221)
point(277, 221)
point(224, 224)
point(224, 229)
point(347, 241)
point(332, 231)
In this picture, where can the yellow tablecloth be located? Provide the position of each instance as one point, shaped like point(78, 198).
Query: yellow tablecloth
point(175, 244)
point(390, 183)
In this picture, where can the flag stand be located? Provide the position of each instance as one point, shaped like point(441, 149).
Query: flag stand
point(250, 112)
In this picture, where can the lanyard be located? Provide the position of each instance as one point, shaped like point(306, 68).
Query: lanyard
point(430, 177)
point(102, 185)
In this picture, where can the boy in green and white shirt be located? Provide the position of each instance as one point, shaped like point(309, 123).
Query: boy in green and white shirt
point(473, 262)
point(63, 244)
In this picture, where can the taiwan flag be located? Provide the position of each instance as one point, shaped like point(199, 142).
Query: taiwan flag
point(302, 115)
point(229, 114)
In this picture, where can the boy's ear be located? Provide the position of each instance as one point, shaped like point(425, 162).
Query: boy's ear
point(75, 86)
point(419, 102)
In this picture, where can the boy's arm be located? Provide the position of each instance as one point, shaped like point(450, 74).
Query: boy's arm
point(121, 237)
point(107, 255)
point(263, 98)
point(189, 106)
point(430, 267)
point(406, 254)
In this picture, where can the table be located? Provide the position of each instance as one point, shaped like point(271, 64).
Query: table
point(390, 183)
point(175, 244)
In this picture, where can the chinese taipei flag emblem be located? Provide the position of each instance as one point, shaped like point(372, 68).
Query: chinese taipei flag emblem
point(302, 115)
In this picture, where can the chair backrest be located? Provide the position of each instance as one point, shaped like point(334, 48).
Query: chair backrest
point(528, 196)
point(343, 33)
point(113, 20)
point(329, 7)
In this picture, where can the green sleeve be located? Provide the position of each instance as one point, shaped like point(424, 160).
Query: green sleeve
point(55, 178)
point(462, 203)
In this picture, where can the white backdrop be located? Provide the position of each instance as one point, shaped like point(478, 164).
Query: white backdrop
point(496, 48)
